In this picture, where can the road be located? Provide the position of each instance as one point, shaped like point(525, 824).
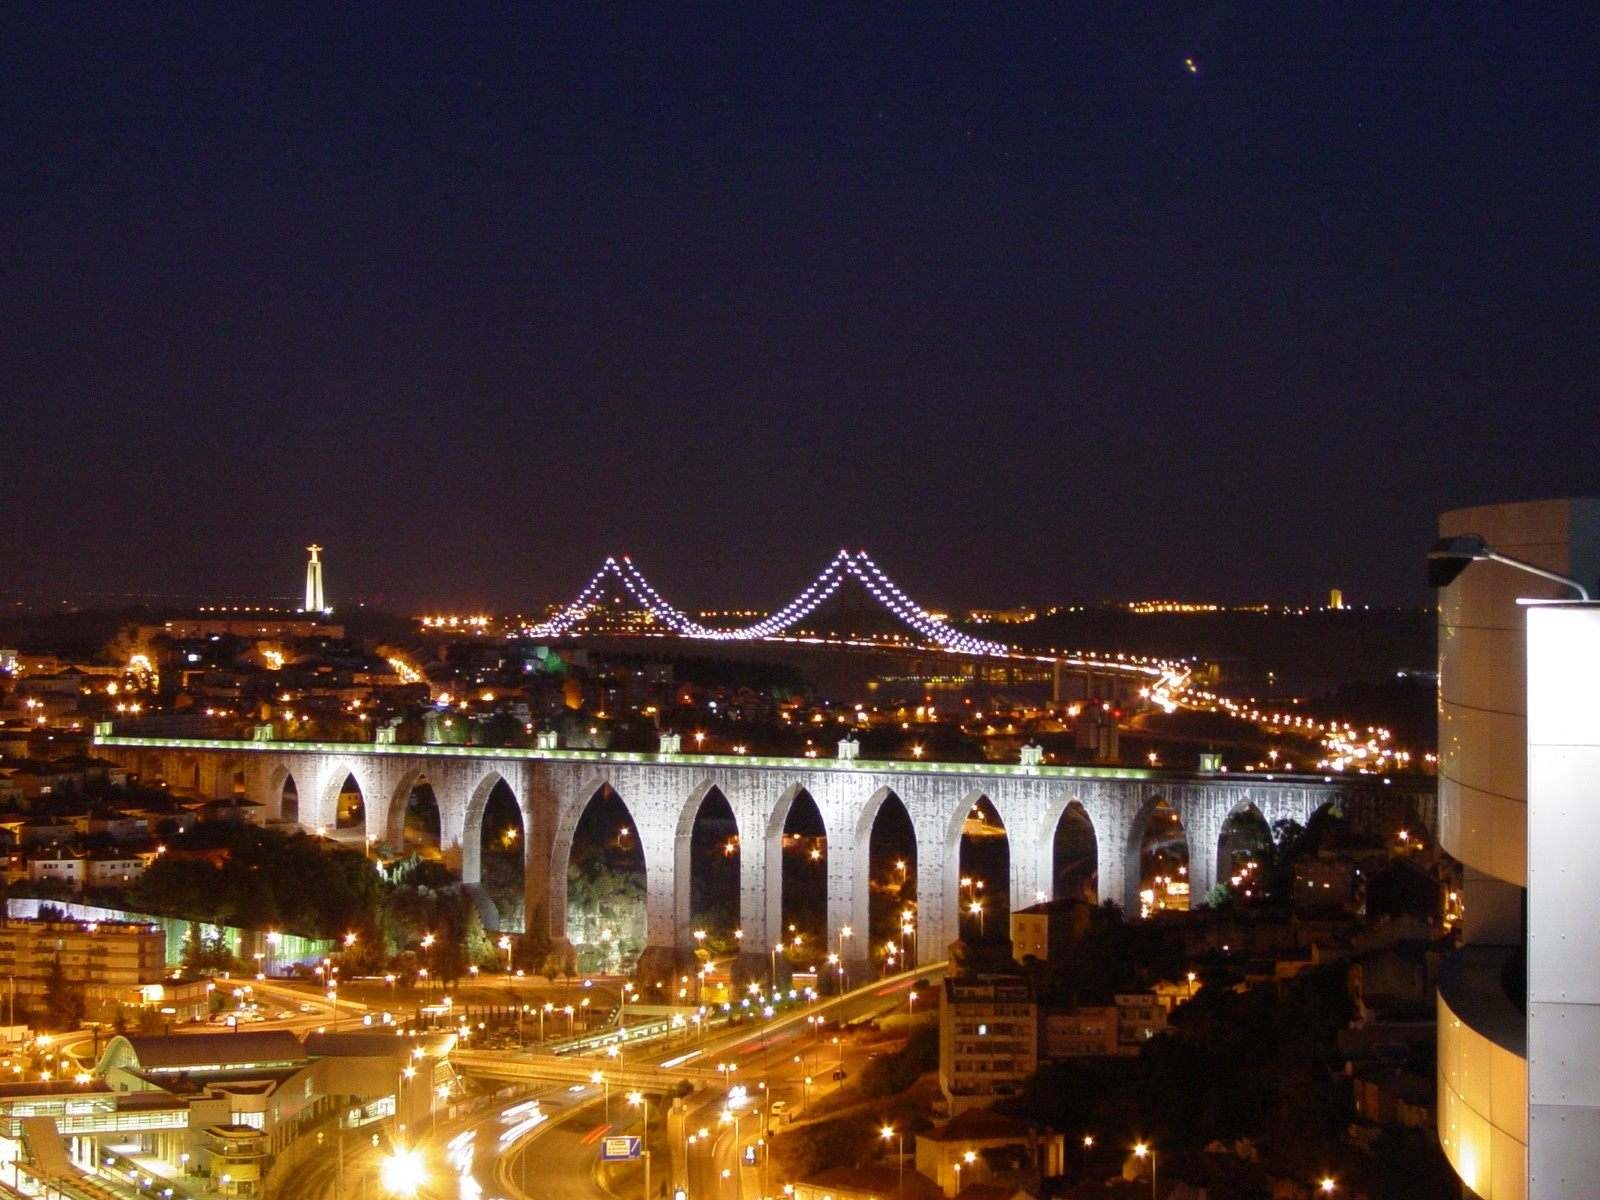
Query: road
point(558, 1161)
point(774, 1066)
point(771, 1062)
point(511, 1151)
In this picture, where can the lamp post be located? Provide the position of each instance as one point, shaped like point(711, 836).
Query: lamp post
point(976, 909)
point(1143, 1150)
point(403, 1173)
point(638, 1100)
point(844, 973)
point(600, 1078)
point(966, 1160)
point(888, 1132)
point(505, 944)
point(1451, 556)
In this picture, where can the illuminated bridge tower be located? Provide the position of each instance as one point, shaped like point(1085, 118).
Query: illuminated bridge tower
point(314, 598)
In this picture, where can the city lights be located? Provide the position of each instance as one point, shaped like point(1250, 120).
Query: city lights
point(402, 1173)
point(844, 564)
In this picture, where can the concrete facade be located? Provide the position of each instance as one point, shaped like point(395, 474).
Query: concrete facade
point(664, 792)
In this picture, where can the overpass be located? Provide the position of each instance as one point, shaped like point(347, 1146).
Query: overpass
point(526, 1068)
point(664, 791)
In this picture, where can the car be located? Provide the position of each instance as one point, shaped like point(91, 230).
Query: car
point(307, 1007)
point(779, 1107)
point(838, 1075)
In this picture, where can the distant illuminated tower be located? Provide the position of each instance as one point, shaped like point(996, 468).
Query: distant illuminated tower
point(1336, 598)
point(314, 602)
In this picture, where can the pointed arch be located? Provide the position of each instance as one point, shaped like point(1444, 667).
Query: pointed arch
point(619, 930)
point(1158, 844)
point(692, 871)
point(566, 829)
point(988, 868)
point(1242, 830)
point(343, 813)
point(503, 853)
point(1072, 853)
point(786, 865)
point(472, 830)
point(323, 819)
point(282, 796)
point(878, 924)
point(414, 819)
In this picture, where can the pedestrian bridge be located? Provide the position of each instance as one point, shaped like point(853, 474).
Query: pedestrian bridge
point(664, 792)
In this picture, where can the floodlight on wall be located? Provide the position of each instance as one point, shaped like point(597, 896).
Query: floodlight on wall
point(1452, 555)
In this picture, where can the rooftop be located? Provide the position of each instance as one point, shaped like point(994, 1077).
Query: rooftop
point(979, 1125)
point(207, 1051)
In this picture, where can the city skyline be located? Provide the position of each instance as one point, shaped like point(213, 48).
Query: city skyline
point(614, 587)
point(1033, 305)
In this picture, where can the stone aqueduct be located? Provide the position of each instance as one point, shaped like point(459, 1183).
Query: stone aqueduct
point(664, 792)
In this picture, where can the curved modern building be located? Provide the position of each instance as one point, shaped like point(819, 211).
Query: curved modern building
point(1519, 691)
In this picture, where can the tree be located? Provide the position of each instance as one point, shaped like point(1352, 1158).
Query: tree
point(63, 999)
point(533, 949)
point(205, 954)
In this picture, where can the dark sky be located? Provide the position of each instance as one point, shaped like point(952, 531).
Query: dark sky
point(1017, 300)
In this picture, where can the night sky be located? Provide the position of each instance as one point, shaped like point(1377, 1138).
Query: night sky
point(1019, 301)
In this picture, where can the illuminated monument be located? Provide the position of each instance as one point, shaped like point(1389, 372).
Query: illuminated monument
point(314, 598)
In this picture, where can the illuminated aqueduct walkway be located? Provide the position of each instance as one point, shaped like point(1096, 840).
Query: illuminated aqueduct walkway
point(664, 792)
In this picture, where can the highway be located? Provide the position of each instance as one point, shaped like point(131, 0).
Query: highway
point(770, 1062)
point(510, 1149)
point(773, 1066)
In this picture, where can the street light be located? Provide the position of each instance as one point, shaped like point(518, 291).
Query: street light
point(976, 909)
point(844, 974)
point(638, 1100)
point(505, 944)
point(1327, 1185)
point(402, 1173)
point(1143, 1150)
point(966, 1160)
point(887, 1132)
point(1452, 555)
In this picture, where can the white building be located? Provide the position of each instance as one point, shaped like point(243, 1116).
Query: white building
point(1519, 802)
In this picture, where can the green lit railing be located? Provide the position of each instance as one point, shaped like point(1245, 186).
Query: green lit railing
point(391, 749)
